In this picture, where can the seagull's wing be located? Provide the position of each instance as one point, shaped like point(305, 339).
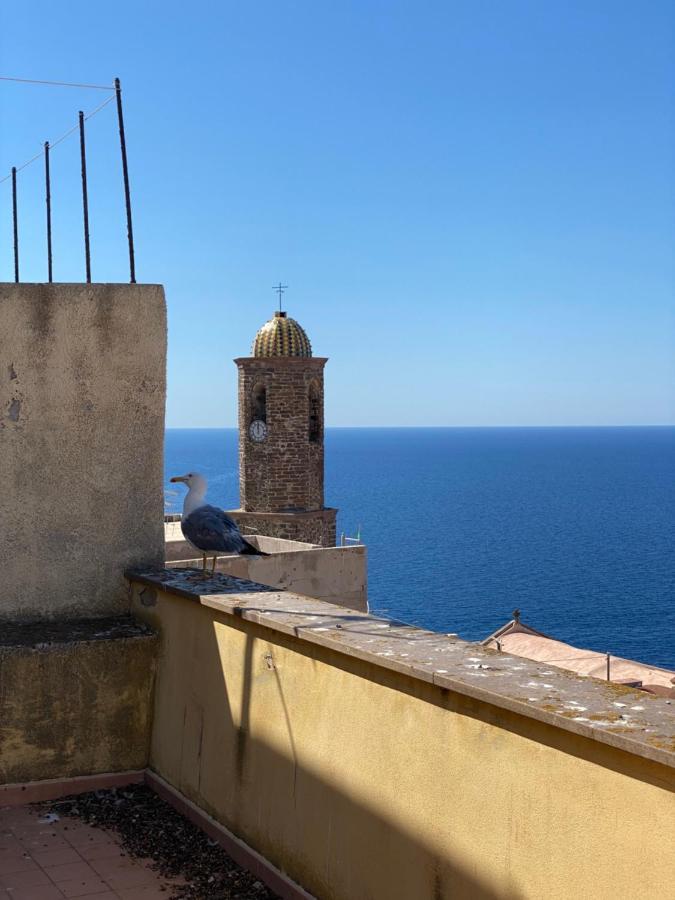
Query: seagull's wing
point(211, 529)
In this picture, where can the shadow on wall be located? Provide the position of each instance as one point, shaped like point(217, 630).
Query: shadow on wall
point(360, 782)
point(261, 785)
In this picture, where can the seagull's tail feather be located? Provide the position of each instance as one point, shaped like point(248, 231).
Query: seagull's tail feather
point(250, 550)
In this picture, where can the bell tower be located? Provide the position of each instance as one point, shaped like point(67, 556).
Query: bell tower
point(281, 437)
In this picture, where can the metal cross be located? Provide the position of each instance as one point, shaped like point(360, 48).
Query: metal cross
point(280, 288)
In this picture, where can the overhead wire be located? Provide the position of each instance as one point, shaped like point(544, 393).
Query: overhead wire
point(96, 87)
point(67, 134)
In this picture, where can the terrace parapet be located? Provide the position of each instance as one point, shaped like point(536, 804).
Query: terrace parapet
point(621, 717)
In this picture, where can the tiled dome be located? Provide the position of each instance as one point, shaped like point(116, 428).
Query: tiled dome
point(281, 336)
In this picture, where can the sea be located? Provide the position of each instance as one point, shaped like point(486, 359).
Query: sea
point(573, 526)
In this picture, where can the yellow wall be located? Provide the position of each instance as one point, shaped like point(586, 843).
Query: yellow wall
point(77, 708)
point(365, 783)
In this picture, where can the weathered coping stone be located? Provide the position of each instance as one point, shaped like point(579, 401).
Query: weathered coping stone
point(43, 635)
point(624, 718)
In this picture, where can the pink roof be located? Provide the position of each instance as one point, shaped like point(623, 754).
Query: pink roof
point(521, 640)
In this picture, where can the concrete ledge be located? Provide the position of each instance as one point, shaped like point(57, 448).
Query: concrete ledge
point(335, 574)
point(54, 788)
point(623, 718)
point(240, 851)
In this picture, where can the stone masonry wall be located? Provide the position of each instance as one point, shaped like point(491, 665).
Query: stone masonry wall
point(318, 528)
point(285, 471)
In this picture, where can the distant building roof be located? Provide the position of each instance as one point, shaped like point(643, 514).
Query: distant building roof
point(281, 336)
point(521, 640)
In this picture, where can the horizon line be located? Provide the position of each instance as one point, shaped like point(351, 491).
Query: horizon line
point(622, 425)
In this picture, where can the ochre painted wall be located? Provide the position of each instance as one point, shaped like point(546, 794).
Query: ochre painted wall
point(365, 783)
point(76, 708)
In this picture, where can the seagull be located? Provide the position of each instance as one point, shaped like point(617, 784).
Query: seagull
point(208, 528)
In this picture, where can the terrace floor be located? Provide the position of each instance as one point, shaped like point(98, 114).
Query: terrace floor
point(41, 859)
point(49, 851)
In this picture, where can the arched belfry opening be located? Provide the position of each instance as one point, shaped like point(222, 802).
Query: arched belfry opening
point(314, 426)
point(259, 403)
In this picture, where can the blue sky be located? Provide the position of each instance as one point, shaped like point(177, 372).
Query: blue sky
point(472, 202)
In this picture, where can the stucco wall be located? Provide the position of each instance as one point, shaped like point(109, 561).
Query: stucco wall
point(364, 782)
point(82, 391)
point(75, 704)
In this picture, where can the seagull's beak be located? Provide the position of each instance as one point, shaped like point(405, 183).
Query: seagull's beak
point(177, 478)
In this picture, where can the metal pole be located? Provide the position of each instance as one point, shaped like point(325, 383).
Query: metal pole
point(125, 172)
point(608, 663)
point(85, 202)
point(48, 196)
point(16, 226)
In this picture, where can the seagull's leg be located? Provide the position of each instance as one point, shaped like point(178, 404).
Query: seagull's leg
point(204, 575)
point(213, 567)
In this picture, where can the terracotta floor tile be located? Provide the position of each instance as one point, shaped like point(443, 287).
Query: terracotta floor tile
point(42, 844)
point(23, 879)
point(151, 892)
point(82, 887)
point(16, 816)
point(128, 878)
point(86, 837)
point(34, 823)
point(101, 851)
point(12, 850)
point(70, 872)
point(8, 843)
point(43, 892)
point(114, 864)
point(58, 857)
point(16, 864)
point(107, 895)
point(70, 859)
point(37, 834)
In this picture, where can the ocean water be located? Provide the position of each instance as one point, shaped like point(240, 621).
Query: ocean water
point(575, 526)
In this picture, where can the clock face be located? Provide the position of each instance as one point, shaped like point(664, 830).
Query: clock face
point(257, 430)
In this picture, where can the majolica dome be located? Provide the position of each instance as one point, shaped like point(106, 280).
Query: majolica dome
point(281, 336)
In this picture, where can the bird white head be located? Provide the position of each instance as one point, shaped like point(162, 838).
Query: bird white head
point(196, 493)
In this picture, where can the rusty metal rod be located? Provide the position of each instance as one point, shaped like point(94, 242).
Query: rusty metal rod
point(127, 192)
point(85, 202)
point(48, 197)
point(15, 226)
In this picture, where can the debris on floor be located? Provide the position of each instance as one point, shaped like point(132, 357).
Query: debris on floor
point(149, 828)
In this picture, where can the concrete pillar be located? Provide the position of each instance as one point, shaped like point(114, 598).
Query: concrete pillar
point(82, 395)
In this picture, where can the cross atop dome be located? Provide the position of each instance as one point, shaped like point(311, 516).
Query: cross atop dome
point(280, 289)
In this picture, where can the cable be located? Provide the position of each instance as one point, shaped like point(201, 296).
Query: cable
point(62, 138)
point(97, 87)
